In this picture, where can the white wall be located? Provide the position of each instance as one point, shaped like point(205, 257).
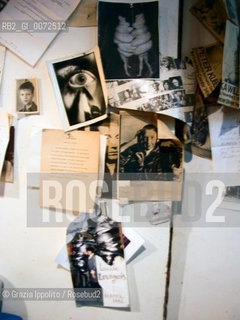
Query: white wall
point(204, 278)
point(204, 274)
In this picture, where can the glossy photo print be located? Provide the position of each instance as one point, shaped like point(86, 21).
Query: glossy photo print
point(149, 152)
point(79, 86)
point(144, 154)
point(128, 33)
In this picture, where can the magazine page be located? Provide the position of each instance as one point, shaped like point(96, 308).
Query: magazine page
point(132, 242)
point(97, 263)
point(32, 26)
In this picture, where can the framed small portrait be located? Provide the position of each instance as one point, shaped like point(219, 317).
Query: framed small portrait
point(80, 89)
point(27, 96)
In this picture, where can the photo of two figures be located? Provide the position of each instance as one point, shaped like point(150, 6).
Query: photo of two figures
point(132, 40)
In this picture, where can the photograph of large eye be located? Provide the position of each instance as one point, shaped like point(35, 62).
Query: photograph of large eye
point(80, 79)
point(80, 89)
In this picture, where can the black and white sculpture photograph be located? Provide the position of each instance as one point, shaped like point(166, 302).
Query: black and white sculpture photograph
point(128, 38)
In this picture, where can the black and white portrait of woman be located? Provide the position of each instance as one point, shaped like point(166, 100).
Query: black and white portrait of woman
point(128, 33)
point(79, 87)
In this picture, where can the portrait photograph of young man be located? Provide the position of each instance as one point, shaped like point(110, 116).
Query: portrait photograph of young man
point(27, 96)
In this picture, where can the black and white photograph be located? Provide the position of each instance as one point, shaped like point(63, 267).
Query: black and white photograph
point(149, 95)
point(129, 34)
point(110, 128)
point(27, 96)
point(166, 85)
point(172, 83)
point(175, 83)
point(80, 89)
point(180, 98)
point(166, 102)
point(143, 154)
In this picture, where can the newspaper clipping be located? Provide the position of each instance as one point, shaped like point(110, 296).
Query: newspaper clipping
point(172, 94)
point(207, 62)
point(229, 92)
